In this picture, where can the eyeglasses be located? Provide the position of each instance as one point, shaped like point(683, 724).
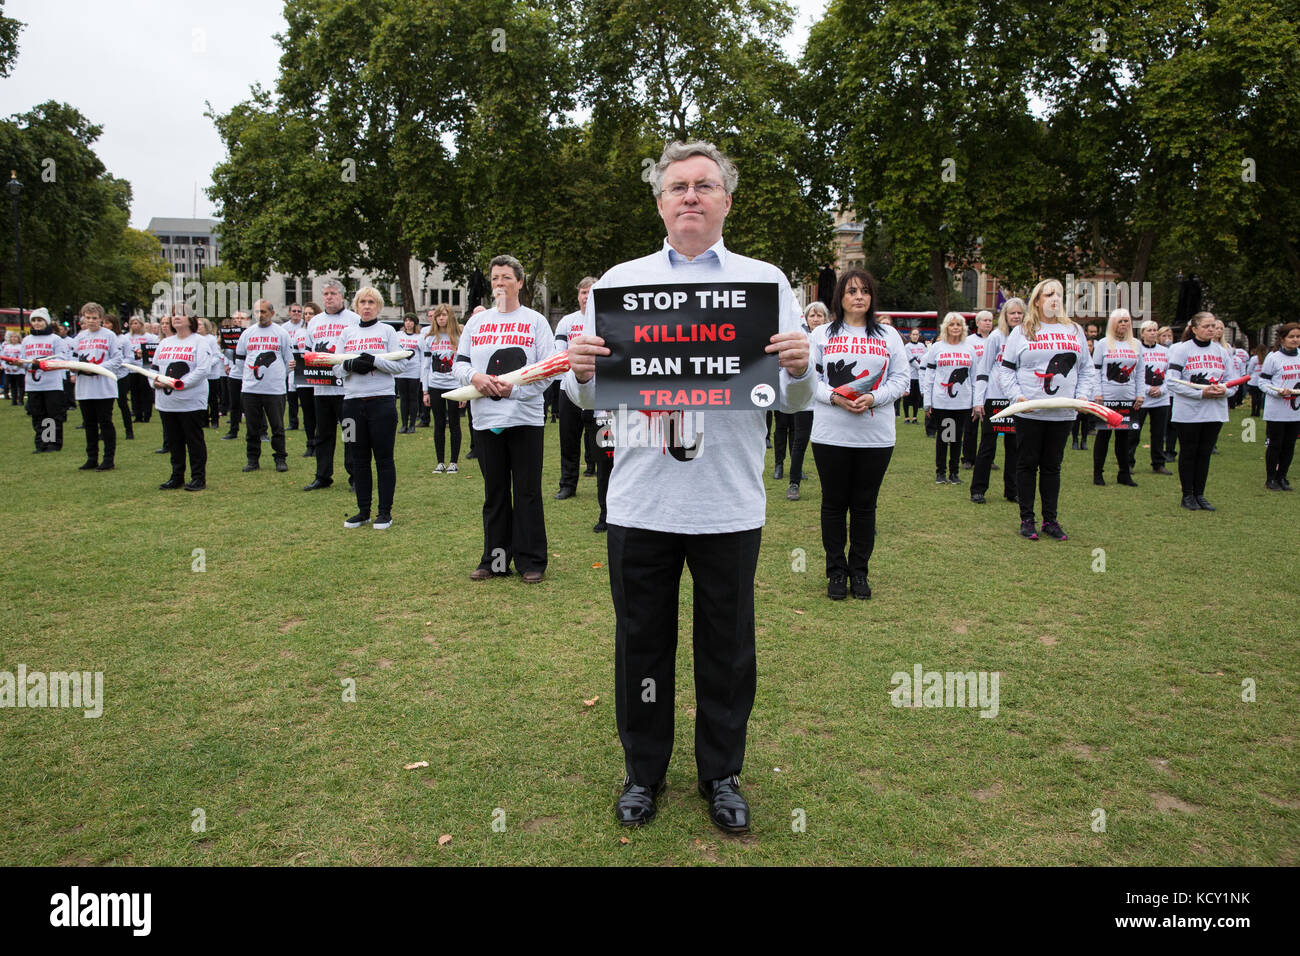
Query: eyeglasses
point(702, 190)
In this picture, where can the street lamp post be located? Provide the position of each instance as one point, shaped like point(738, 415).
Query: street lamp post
point(15, 187)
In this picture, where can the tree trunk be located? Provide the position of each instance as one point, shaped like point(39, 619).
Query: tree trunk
point(939, 282)
point(404, 279)
point(1143, 257)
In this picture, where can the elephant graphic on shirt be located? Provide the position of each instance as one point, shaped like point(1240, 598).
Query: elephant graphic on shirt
point(959, 376)
point(176, 370)
point(506, 360)
point(264, 360)
point(1062, 363)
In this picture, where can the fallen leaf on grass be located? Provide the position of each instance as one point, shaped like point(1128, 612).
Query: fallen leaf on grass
point(444, 839)
point(624, 841)
point(596, 565)
point(592, 702)
point(417, 765)
point(798, 612)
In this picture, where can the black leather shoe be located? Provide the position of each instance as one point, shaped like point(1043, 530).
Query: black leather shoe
point(281, 465)
point(861, 589)
point(599, 526)
point(170, 483)
point(162, 451)
point(564, 493)
point(636, 804)
point(252, 466)
point(837, 586)
point(1205, 505)
point(1190, 503)
point(728, 808)
point(778, 472)
point(1286, 485)
point(589, 473)
point(976, 498)
point(1272, 485)
point(1127, 480)
point(1160, 470)
point(317, 485)
point(196, 485)
point(89, 466)
point(1098, 480)
point(230, 436)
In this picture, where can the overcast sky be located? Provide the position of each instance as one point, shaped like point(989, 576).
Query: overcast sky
point(145, 70)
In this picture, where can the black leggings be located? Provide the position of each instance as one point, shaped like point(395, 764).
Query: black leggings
point(912, 400)
point(408, 391)
point(307, 409)
point(793, 430)
point(939, 420)
point(1040, 446)
point(446, 417)
point(1125, 439)
point(1159, 417)
point(15, 383)
point(850, 480)
point(375, 432)
point(1256, 400)
point(1281, 448)
point(123, 401)
point(988, 450)
point(1197, 439)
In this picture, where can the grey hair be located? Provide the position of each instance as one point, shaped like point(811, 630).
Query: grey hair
point(509, 262)
point(676, 152)
point(1149, 324)
point(587, 283)
point(819, 307)
point(332, 284)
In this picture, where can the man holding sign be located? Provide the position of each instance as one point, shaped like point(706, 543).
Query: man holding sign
point(693, 342)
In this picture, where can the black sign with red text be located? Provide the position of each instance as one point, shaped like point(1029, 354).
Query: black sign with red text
point(230, 336)
point(1125, 409)
point(689, 346)
point(992, 406)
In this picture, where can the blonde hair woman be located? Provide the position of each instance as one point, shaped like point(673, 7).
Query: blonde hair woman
point(438, 349)
point(948, 390)
point(987, 389)
point(1117, 356)
point(1047, 357)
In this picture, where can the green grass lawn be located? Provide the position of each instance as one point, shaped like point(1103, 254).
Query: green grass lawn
point(1119, 691)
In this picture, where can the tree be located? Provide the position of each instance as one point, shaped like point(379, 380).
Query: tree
point(9, 30)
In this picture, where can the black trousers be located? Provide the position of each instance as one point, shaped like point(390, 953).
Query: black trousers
point(970, 440)
point(1041, 446)
point(1125, 441)
point(292, 395)
point(577, 428)
point(329, 411)
point(514, 525)
point(216, 397)
point(375, 432)
point(645, 572)
point(1281, 448)
point(259, 410)
point(184, 432)
point(794, 430)
point(1159, 418)
point(604, 468)
point(912, 403)
point(850, 479)
point(97, 416)
point(446, 417)
point(69, 394)
point(940, 419)
point(408, 392)
point(307, 403)
point(234, 391)
point(1197, 439)
point(141, 396)
point(1256, 400)
point(1082, 427)
point(469, 419)
point(15, 386)
point(124, 403)
point(48, 414)
point(988, 450)
point(551, 400)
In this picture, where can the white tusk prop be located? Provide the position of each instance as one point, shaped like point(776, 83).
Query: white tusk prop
point(557, 364)
point(1111, 416)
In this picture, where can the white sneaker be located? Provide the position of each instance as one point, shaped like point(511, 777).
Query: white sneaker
point(441, 468)
point(382, 522)
point(452, 469)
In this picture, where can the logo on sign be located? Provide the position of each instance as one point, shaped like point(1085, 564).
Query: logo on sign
point(762, 395)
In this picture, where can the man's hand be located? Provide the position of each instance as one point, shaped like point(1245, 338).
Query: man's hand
point(792, 351)
point(426, 400)
point(977, 413)
point(583, 350)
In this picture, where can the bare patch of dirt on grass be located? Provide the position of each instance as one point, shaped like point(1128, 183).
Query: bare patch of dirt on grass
point(1165, 802)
